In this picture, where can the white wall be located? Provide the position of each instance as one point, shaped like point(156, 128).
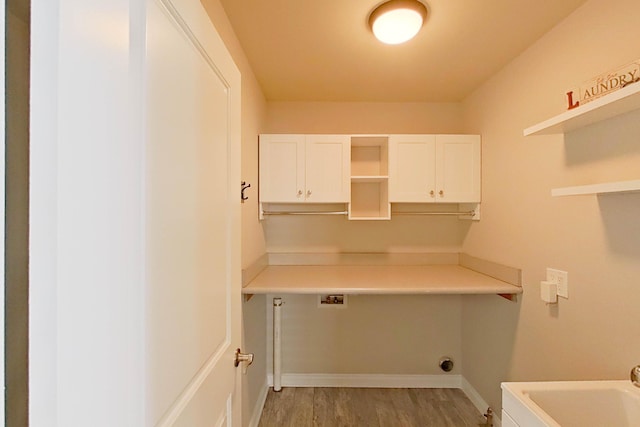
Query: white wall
point(392, 335)
point(596, 239)
point(363, 117)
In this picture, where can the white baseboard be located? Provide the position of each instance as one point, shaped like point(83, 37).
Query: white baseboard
point(259, 406)
point(369, 380)
point(480, 404)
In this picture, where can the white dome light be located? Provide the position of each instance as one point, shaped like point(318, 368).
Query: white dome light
point(397, 21)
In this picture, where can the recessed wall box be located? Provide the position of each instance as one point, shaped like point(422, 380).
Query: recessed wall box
point(332, 300)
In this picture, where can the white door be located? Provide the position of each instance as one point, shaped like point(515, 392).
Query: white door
point(458, 168)
point(412, 168)
point(327, 169)
point(134, 216)
point(192, 215)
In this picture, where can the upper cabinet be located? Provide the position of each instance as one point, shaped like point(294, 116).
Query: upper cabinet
point(367, 173)
point(304, 168)
point(412, 160)
point(434, 168)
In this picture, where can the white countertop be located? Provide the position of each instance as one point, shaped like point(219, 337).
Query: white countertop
point(376, 279)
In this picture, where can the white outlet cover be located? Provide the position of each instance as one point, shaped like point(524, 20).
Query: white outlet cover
point(561, 278)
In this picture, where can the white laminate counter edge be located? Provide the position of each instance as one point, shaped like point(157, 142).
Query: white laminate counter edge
point(436, 280)
point(390, 274)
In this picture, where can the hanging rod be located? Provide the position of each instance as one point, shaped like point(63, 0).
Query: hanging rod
point(304, 213)
point(470, 213)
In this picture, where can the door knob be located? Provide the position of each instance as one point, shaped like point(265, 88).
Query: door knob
point(432, 193)
point(243, 358)
point(441, 193)
point(308, 193)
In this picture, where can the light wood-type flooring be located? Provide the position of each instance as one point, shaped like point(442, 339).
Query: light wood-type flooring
point(369, 407)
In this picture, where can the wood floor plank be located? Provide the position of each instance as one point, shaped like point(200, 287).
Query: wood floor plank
point(338, 407)
point(369, 407)
point(365, 407)
point(293, 406)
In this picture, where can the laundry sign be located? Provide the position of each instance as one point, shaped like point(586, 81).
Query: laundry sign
point(604, 84)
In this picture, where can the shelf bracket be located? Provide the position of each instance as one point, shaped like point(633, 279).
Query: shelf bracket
point(510, 297)
point(475, 207)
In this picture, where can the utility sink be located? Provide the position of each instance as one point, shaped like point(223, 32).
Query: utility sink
point(571, 404)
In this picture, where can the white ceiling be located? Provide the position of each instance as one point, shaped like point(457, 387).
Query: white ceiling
point(304, 50)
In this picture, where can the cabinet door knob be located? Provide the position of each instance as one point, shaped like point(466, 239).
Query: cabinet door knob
point(308, 193)
point(299, 193)
point(432, 193)
point(441, 193)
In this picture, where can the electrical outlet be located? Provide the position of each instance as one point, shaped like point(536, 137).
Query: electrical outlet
point(560, 278)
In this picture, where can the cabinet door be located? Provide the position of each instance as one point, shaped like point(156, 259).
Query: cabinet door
point(327, 173)
point(412, 168)
point(282, 168)
point(457, 168)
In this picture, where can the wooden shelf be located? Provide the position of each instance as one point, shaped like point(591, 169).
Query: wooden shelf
point(594, 189)
point(614, 104)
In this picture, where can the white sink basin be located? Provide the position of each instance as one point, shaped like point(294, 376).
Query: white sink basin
point(572, 404)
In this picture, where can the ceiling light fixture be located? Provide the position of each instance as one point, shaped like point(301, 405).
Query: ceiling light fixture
point(397, 21)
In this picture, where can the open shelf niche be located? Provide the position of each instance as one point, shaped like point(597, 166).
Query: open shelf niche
point(369, 178)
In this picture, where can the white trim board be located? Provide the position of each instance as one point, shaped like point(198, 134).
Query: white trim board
point(480, 404)
point(369, 380)
point(259, 406)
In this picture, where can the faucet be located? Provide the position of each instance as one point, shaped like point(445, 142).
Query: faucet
point(635, 376)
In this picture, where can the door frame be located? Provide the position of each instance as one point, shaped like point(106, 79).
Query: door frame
point(2, 208)
point(86, 299)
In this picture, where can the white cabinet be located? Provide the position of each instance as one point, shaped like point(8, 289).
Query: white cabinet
point(365, 174)
point(304, 168)
point(412, 160)
point(507, 421)
point(434, 168)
